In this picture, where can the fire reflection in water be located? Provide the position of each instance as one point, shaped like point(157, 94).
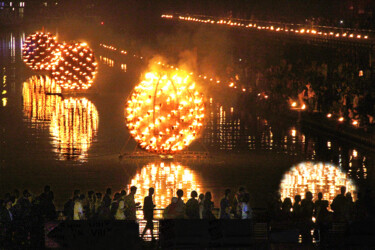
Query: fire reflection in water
point(166, 178)
point(315, 177)
point(73, 127)
point(73, 122)
point(37, 105)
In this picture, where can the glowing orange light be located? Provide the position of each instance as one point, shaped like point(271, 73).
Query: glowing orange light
point(73, 127)
point(37, 105)
point(165, 112)
point(77, 69)
point(166, 178)
point(315, 177)
point(39, 51)
point(329, 115)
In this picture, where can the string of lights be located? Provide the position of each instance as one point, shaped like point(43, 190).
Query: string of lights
point(325, 32)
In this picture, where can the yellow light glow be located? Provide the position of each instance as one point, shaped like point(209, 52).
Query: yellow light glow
point(37, 105)
point(40, 51)
point(315, 177)
point(165, 112)
point(166, 178)
point(271, 28)
point(74, 125)
point(78, 68)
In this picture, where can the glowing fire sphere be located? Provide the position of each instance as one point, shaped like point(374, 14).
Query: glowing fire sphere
point(165, 112)
point(77, 67)
point(39, 51)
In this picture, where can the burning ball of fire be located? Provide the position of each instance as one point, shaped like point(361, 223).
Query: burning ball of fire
point(165, 112)
point(77, 67)
point(39, 51)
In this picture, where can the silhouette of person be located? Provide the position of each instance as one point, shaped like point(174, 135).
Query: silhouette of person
point(207, 207)
point(286, 208)
point(107, 197)
point(225, 205)
point(192, 206)
point(130, 205)
point(46, 203)
point(339, 205)
point(180, 209)
point(148, 213)
point(170, 210)
point(307, 210)
point(297, 208)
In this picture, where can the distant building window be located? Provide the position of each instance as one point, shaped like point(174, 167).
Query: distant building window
point(10, 4)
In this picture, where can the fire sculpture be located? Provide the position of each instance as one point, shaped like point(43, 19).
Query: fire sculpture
point(77, 68)
point(315, 177)
point(40, 51)
point(165, 112)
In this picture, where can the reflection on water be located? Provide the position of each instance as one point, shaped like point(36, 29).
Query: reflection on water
point(108, 61)
point(166, 178)
point(315, 177)
point(73, 122)
point(38, 107)
point(73, 127)
point(229, 129)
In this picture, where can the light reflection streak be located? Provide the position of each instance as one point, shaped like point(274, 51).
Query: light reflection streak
point(73, 128)
point(107, 61)
point(315, 177)
point(73, 122)
point(37, 105)
point(166, 178)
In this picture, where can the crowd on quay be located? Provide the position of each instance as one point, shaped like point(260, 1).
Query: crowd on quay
point(20, 213)
point(342, 91)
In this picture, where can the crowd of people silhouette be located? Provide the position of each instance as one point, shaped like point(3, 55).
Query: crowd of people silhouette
point(19, 213)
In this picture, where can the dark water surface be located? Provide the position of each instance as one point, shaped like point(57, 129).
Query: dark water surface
point(74, 142)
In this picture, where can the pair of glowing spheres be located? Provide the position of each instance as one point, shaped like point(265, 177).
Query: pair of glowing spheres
point(165, 112)
point(73, 66)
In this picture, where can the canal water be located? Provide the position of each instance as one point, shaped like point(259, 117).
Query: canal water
point(80, 141)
